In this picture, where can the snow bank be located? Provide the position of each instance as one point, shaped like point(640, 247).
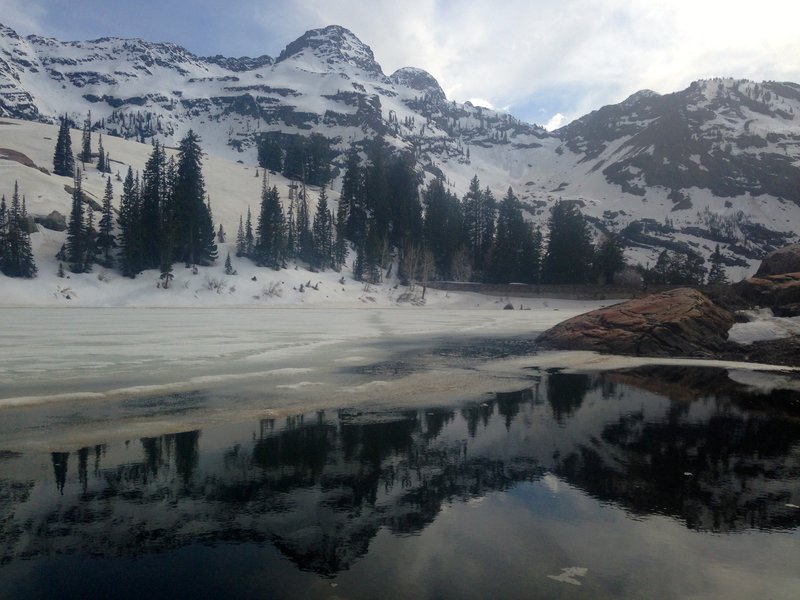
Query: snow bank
point(763, 326)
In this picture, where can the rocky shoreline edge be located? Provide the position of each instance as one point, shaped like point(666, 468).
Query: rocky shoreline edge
point(686, 323)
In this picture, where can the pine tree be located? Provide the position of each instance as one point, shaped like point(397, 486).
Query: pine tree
point(352, 198)
point(194, 238)
point(3, 230)
point(90, 241)
point(376, 191)
point(102, 165)
point(154, 189)
point(322, 234)
point(404, 200)
point(16, 257)
point(166, 276)
point(241, 244)
point(470, 203)
point(609, 258)
point(512, 241)
point(128, 220)
point(443, 228)
point(63, 159)
point(271, 232)
point(478, 223)
point(86, 140)
point(305, 244)
point(249, 238)
point(570, 251)
point(370, 253)
point(340, 248)
point(220, 235)
point(207, 237)
point(531, 259)
point(270, 155)
point(168, 223)
point(659, 272)
point(291, 225)
point(716, 274)
point(58, 153)
point(105, 239)
point(229, 270)
point(76, 229)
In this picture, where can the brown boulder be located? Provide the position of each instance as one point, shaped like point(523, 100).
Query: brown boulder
point(783, 260)
point(781, 293)
point(680, 322)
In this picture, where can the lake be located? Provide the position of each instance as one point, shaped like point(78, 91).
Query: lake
point(398, 455)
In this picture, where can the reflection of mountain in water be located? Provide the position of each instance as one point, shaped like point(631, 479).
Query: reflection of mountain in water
point(320, 487)
point(721, 461)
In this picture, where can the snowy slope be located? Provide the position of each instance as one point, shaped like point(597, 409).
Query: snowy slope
point(26, 150)
point(719, 162)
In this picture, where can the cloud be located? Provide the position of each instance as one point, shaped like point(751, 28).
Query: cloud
point(556, 121)
point(608, 49)
point(23, 16)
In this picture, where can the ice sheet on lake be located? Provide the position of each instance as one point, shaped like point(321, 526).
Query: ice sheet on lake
point(570, 575)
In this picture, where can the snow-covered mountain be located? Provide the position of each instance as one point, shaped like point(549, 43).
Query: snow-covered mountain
point(717, 163)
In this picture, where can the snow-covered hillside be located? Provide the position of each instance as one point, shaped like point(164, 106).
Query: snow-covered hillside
point(717, 163)
point(26, 150)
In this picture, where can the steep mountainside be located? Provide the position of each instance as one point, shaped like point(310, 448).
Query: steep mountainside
point(731, 137)
point(716, 163)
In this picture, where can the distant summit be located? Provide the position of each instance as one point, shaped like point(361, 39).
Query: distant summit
point(333, 44)
point(419, 80)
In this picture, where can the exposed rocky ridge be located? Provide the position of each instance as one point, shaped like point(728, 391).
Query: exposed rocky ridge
point(709, 135)
point(680, 322)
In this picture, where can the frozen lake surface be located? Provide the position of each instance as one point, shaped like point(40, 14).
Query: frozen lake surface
point(90, 364)
point(398, 453)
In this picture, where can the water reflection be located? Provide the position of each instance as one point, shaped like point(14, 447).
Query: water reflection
point(320, 487)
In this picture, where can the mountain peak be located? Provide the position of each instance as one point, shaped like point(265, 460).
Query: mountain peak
point(637, 96)
point(419, 80)
point(8, 32)
point(331, 44)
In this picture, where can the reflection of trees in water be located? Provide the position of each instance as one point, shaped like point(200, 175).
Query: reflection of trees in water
point(186, 448)
point(320, 487)
point(565, 393)
point(477, 414)
point(60, 463)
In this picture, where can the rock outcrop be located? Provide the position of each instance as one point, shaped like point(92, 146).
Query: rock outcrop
point(680, 322)
point(776, 284)
point(783, 260)
point(55, 221)
point(781, 293)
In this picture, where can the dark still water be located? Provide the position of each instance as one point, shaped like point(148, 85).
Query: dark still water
point(635, 484)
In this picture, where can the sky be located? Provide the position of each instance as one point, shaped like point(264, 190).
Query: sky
point(544, 61)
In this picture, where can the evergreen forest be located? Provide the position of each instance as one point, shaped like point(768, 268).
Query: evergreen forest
point(386, 218)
